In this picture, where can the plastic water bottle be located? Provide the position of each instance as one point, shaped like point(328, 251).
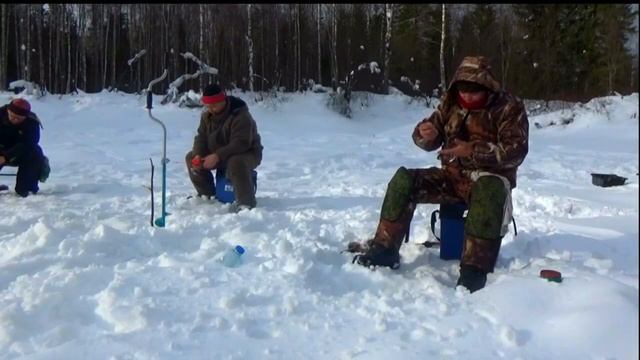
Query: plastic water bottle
point(233, 256)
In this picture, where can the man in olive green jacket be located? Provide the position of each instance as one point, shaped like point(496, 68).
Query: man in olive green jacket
point(483, 134)
point(228, 138)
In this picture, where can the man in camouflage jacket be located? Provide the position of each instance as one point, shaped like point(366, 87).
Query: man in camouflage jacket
point(483, 132)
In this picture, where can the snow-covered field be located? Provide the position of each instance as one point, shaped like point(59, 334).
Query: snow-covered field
point(84, 276)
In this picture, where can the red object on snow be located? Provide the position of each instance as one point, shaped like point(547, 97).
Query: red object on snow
point(551, 275)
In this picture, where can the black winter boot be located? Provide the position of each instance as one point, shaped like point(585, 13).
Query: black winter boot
point(471, 277)
point(378, 255)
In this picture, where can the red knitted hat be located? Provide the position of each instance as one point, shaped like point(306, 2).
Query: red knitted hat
point(20, 107)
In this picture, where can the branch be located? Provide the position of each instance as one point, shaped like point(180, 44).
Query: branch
point(138, 56)
point(203, 68)
point(172, 93)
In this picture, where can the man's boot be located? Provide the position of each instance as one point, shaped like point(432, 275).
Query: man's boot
point(472, 277)
point(384, 248)
point(377, 254)
point(395, 218)
point(479, 257)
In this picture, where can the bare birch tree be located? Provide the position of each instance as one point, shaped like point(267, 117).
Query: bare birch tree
point(387, 44)
point(68, 31)
point(105, 47)
point(201, 42)
point(334, 49)
point(250, 46)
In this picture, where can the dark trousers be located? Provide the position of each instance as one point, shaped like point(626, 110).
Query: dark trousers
point(29, 169)
point(239, 169)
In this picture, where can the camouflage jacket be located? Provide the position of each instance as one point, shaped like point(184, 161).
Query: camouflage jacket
point(499, 132)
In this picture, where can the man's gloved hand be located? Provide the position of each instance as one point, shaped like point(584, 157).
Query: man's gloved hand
point(210, 161)
point(196, 162)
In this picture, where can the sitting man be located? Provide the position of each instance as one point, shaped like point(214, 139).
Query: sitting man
point(484, 134)
point(19, 137)
point(228, 138)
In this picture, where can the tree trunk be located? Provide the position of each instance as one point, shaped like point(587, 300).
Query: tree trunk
point(443, 80)
point(387, 44)
point(49, 62)
point(201, 42)
point(334, 50)
point(56, 66)
point(114, 57)
point(4, 44)
point(298, 55)
point(276, 70)
point(105, 48)
point(27, 68)
point(68, 87)
point(319, 46)
point(262, 49)
point(40, 30)
point(19, 64)
point(83, 48)
point(250, 46)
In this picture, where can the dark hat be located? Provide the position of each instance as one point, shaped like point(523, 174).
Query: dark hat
point(213, 94)
point(20, 107)
point(469, 86)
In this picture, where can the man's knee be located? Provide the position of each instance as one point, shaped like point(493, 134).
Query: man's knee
point(486, 208)
point(188, 158)
point(237, 166)
point(31, 156)
point(398, 194)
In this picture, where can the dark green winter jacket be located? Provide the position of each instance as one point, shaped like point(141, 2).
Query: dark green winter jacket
point(231, 132)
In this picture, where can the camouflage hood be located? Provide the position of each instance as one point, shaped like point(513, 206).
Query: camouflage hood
point(474, 69)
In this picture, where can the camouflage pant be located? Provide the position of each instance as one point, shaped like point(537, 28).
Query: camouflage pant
point(486, 198)
point(238, 172)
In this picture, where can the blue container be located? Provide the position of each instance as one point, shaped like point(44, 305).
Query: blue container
point(224, 189)
point(452, 230)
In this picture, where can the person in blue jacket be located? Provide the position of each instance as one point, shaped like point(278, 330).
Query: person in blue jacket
point(19, 137)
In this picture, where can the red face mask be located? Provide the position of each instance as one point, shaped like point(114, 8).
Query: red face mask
point(478, 103)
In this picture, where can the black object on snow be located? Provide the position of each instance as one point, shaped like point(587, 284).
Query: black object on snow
point(607, 180)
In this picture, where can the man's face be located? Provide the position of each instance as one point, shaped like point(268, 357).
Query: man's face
point(472, 96)
point(14, 118)
point(217, 107)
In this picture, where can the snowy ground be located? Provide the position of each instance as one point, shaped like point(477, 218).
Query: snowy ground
point(84, 276)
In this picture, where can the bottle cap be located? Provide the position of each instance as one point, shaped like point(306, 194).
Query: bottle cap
point(239, 249)
point(551, 275)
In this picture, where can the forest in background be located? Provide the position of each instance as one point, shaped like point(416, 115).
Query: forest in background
point(570, 52)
